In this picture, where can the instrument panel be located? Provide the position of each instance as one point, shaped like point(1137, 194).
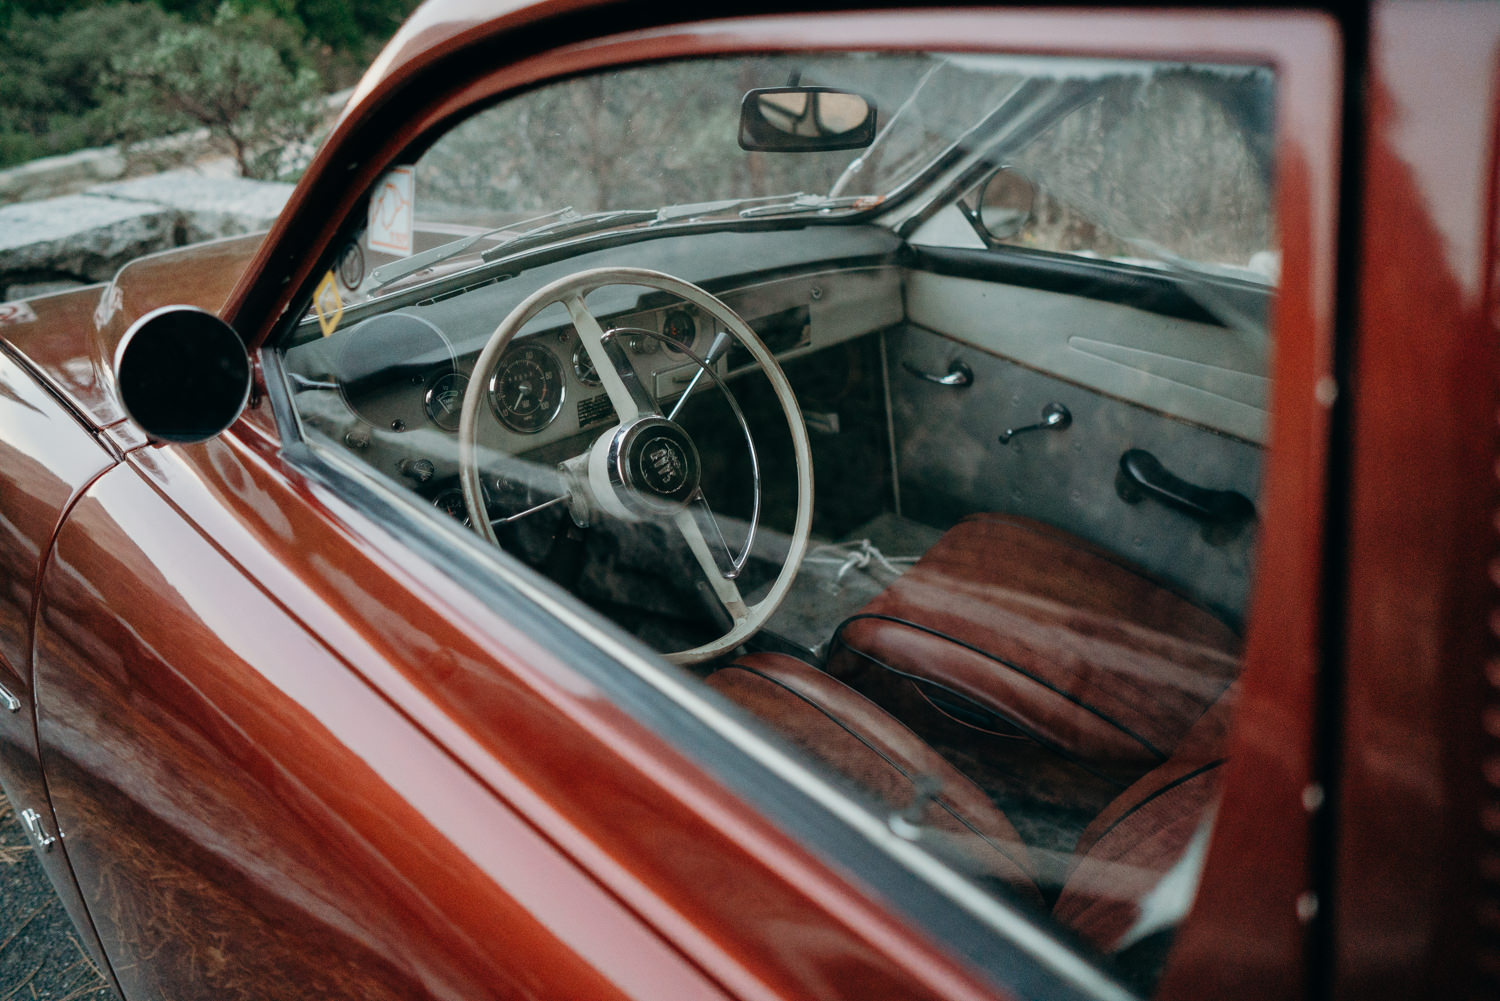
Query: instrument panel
point(390, 388)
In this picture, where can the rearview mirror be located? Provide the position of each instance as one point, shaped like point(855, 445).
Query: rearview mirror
point(183, 374)
point(805, 120)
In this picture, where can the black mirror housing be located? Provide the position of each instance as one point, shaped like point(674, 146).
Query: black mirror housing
point(182, 374)
point(805, 120)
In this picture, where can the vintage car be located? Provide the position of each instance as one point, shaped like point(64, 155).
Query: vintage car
point(937, 502)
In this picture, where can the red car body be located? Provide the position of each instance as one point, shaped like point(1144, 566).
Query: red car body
point(287, 759)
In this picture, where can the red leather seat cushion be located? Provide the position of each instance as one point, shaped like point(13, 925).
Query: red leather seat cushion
point(869, 748)
point(1129, 848)
point(1066, 642)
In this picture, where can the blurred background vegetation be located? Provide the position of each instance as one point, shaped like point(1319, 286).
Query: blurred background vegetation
point(82, 73)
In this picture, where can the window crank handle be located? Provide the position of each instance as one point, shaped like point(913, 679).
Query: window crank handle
point(959, 374)
point(1055, 416)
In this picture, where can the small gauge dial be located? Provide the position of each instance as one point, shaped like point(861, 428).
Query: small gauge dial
point(583, 367)
point(526, 390)
point(445, 400)
point(680, 330)
point(451, 502)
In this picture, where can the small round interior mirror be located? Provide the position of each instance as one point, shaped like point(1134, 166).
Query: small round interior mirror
point(1006, 203)
point(183, 374)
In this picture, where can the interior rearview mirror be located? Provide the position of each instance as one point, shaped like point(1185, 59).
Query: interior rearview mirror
point(805, 120)
point(183, 374)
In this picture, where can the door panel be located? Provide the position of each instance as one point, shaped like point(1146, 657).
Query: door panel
point(950, 463)
point(1197, 371)
point(250, 819)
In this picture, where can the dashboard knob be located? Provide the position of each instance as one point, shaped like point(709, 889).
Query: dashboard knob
point(420, 470)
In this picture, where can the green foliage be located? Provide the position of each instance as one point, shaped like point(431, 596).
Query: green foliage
point(54, 70)
point(241, 78)
point(57, 86)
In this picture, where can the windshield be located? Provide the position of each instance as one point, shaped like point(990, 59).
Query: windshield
point(1120, 153)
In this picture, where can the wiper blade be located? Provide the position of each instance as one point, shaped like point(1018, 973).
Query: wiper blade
point(387, 273)
point(805, 203)
point(696, 210)
point(574, 225)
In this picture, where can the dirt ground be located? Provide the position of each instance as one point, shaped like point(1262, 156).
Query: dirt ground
point(40, 955)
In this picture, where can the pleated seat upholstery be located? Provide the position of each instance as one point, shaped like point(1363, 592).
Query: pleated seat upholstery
point(1122, 857)
point(1055, 637)
point(871, 750)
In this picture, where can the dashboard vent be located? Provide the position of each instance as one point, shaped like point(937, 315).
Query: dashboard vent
point(595, 409)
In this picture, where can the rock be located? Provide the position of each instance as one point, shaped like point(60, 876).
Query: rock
point(83, 236)
point(61, 175)
point(210, 206)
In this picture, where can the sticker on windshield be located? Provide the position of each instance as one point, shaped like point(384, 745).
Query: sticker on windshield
point(328, 304)
point(391, 223)
point(16, 312)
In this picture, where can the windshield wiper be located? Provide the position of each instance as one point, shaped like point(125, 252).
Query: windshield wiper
point(804, 203)
point(387, 273)
point(570, 225)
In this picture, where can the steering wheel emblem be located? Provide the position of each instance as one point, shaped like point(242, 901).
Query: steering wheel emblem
point(653, 466)
point(663, 465)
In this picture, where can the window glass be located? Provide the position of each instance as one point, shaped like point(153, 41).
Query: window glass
point(857, 492)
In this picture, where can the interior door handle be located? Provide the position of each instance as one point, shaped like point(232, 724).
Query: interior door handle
point(959, 374)
point(1223, 514)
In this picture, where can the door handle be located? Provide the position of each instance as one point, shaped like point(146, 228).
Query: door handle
point(959, 374)
point(1223, 514)
point(1055, 416)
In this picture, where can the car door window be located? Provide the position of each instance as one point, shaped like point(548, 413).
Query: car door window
point(740, 403)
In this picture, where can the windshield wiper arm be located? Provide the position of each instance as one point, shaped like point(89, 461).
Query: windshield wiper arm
point(575, 225)
point(387, 273)
point(803, 203)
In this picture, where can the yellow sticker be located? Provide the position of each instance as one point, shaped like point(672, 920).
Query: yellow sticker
point(328, 304)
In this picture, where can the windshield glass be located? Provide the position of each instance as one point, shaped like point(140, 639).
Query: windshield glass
point(1164, 165)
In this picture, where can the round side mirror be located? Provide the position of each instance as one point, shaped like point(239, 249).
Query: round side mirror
point(183, 374)
point(1006, 203)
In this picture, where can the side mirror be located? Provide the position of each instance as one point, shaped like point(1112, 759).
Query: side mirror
point(183, 374)
point(1006, 203)
point(805, 120)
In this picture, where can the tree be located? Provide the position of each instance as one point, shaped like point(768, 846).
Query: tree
point(240, 78)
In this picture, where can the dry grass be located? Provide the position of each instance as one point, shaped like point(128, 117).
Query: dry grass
point(13, 846)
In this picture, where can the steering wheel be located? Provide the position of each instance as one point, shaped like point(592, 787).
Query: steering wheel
point(647, 468)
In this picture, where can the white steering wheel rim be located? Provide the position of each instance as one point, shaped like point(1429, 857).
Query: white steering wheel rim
point(580, 285)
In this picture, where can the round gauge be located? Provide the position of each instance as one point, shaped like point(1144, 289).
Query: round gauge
point(445, 400)
point(451, 503)
point(583, 367)
point(526, 391)
point(680, 330)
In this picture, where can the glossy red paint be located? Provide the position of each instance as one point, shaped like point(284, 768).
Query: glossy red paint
point(47, 458)
point(326, 703)
point(1422, 495)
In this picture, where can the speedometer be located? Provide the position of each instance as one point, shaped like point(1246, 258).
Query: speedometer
point(526, 389)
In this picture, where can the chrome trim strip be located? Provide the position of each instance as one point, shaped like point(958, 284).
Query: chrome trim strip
point(8, 700)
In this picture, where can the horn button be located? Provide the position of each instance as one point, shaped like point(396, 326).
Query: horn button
point(653, 466)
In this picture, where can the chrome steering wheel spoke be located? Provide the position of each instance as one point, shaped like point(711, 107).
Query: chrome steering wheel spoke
point(724, 588)
point(622, 383)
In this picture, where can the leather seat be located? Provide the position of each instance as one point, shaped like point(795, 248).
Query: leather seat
point(1122, 859)
point(872, 751)
point(1051, 636)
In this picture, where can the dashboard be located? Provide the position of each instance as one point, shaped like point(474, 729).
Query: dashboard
point(388, 385)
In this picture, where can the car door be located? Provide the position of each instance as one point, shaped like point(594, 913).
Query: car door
point(303, 738)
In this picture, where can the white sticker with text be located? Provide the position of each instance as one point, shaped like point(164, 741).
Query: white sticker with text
point(391, 223)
